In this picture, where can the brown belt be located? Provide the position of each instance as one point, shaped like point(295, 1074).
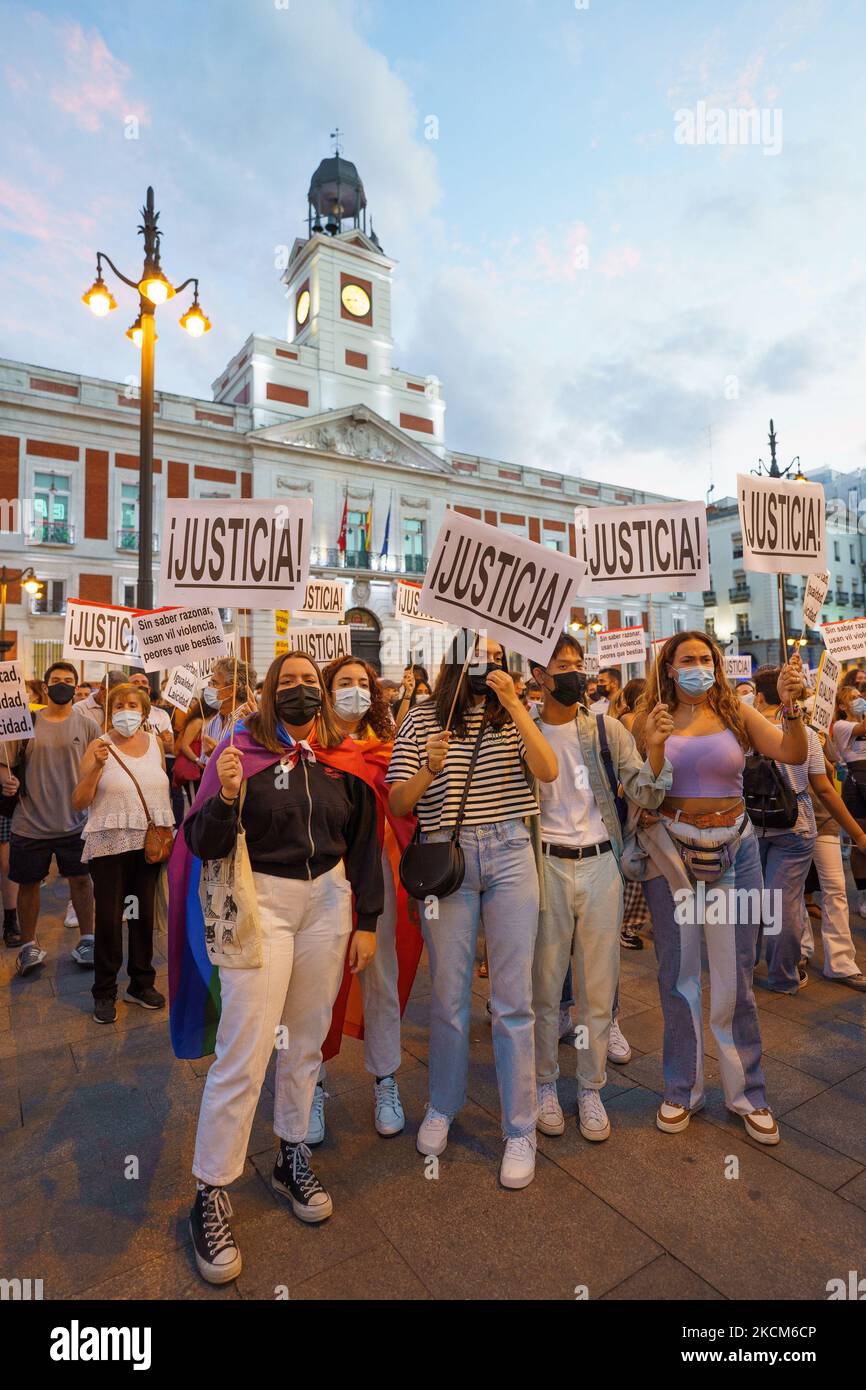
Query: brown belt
point(703, 820)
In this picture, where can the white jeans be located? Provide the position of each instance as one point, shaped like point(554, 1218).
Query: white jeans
point(839, 957)
point(305, 926)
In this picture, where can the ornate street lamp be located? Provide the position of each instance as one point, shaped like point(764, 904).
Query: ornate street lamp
point(29, 583)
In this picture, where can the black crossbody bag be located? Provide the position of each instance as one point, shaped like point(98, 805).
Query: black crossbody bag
point(437, 869)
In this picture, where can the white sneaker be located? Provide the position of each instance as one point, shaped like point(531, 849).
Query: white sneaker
point(618, 1047)
point(518, 1162)
point(389, 1110)
point(433, 1134)
point(71, 918)
point(566, 1023)
point(550, 1117)
point(592, 1116)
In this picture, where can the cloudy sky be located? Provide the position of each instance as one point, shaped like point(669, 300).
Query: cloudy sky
point(604, 285)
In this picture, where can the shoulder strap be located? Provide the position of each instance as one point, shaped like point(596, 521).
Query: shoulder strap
point(461, 810)
point(113, 751)
point(606, 757)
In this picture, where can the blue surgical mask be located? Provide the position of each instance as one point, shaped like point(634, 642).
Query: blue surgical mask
point(859, 706)
point(695, 680)
point(126, 721)
point(211, 697)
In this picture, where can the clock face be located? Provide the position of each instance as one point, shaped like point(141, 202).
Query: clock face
point(356, 301)
point(302, 308)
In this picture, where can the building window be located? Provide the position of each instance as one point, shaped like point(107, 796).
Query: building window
point(554, 543)
point(710, 627)
point(835, 550)
point(51, 508)
point(742, 624)
point(127, 593)
point(52, 599)
point(851, 549)
point(127, 538)
point(737, 543)
point(414, 557)
point(679, 624)
point(357, 555)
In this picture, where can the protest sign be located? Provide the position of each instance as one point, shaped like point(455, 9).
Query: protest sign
point(782, 524)
point(845, 639)
point(515, 590)
point(205, 667)
point(323, 598)
point(323, 644)
point(100, 631)
point(824, 707)
point(247, 552)
point(281, 647)
point(169, 635)
point(406, 605)
point(738, 668)
point(620, 645)
point(816, 591)
point(644, 550)
point(15, 719)
point(182, 685)
point(281, 621)
point(590, 663)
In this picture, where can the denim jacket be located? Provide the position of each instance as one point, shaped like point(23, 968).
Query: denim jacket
point(635, 776)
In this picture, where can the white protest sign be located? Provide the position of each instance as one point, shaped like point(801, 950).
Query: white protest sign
point(620, 645)
point(816, 592)
point(15, 718)
point(182, 685)
point(323, 598)
point(178, 634)
point(738, 668)
point(515, 590)
point(246, 552)
point(644, 550)
point(323, 644)
point(845, 639)
point(100, 631)
point(205, 667)
point(824, 706)
point(783, 525)
point(406, 605)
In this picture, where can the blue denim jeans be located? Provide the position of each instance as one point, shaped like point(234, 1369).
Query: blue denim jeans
point(500, 890)
point(785, 860)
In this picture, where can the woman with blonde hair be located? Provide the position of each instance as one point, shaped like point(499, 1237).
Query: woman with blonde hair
point(702, 836)
point(302, 795)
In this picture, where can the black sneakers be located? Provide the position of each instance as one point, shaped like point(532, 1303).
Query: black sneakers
point(629, 939)
point(104, 1010)
point(216, 1253)
point(295, 1179)
point(149, 998)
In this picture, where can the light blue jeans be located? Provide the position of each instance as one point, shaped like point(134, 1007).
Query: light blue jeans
point(500, 889)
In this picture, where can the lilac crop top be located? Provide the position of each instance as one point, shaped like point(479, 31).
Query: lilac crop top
point(706, 764)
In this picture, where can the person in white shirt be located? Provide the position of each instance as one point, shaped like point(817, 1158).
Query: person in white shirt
point(579, 849)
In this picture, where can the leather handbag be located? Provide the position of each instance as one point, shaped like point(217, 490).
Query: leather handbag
point(436, 869)
point(158, 839)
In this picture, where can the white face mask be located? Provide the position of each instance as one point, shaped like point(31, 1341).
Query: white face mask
point(352, 701)
point(422, 698)
point(126, 721)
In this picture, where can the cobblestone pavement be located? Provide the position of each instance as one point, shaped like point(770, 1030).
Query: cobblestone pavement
point(644, 1215)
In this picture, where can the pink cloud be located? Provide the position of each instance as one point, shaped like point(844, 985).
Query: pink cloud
point(92, 87)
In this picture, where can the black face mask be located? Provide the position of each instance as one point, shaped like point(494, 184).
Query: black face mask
point(61, 694)
point(569, 687)
point(298, 705)
point(478, 684)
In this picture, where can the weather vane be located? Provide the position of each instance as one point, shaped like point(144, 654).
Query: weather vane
point(337, 137)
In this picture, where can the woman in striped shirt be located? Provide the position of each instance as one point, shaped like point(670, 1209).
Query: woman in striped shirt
point(500, 888)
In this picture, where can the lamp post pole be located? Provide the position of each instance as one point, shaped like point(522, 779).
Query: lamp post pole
point(144, 587)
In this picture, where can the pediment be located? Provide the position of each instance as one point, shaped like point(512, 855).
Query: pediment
point(357, 432)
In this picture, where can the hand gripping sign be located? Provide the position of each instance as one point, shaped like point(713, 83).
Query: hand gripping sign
point(244, 553)
point(488, 580)
point(783, 525)
point(654, 549)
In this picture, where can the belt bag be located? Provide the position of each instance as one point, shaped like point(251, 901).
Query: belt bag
point(436, 869)
point(158, 839)
point(707, 863)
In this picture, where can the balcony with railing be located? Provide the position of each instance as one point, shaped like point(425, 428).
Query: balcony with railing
point(333, 559)
point(127, 539)
point(52, 533)
point(744, 634)
point(858, 599)
point(790, 590)
point(709, 598)
point(740, 593)
point(841, 598)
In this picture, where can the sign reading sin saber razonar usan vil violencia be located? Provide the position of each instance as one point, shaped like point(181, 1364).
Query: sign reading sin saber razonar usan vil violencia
point(491, 581)
point(783, 525)
point(245, 553)
point(644, 550)
point(178, 635)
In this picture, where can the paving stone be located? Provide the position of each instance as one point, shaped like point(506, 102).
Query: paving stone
point(786, 1087)
point(172, 1276)
point(5, 1017)
point(831, 1052)
point(836, 1117)
point(673, 1187)
point(379, 1273)
point(799, 1151)
point(665, 1278)
point(855, 1190)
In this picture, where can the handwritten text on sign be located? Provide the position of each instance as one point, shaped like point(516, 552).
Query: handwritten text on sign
point(621, 644)
point(100, 631)
point(245, 552)
point(644, 550)
point(15, 719)
point(178, 634)
point(816, 592)
point(488, 580)
point(845, 640)
point(323, 644)
point(181, 687)
point(406, 605)
point(825, 694)
point(782, 525)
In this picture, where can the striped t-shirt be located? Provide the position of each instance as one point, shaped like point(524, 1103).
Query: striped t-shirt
point(499, 789)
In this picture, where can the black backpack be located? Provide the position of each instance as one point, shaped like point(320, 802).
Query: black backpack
point(771, 802)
